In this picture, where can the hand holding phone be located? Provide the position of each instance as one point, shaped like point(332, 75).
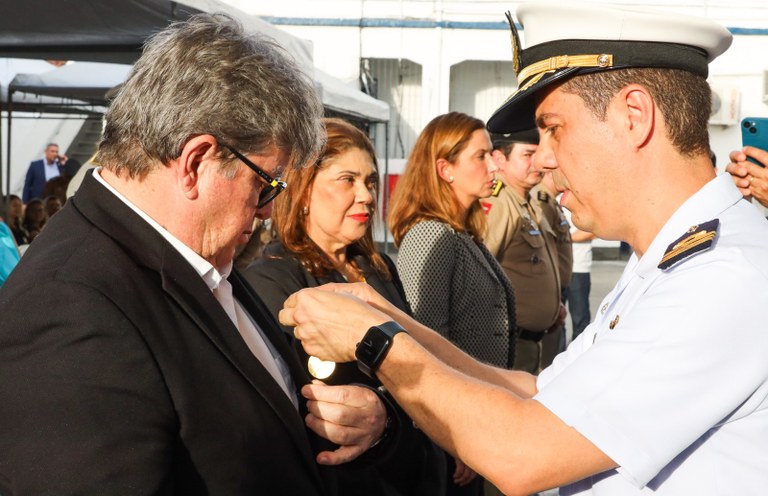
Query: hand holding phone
point(754, 132)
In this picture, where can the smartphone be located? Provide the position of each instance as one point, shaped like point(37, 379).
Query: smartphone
point(754, 132)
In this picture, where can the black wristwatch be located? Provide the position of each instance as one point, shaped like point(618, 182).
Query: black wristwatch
point(370, 352)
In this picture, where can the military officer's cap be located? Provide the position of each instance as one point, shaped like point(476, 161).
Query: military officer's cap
point(568, 39)
point(526, 136)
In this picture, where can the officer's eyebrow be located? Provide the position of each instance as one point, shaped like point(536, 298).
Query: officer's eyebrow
point(542, 119)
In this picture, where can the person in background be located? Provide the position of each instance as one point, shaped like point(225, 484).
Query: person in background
point(57, 187)
point(9, 251)
point(138, 360)
point(750, 178)
point(581, 278)
point(35, 218)
point(666, 392)
point(52, 205)
point(516, 237)
point(324, 226)
point(558, 235)
point(14, 217)
point(41, 171)
point(452, 282)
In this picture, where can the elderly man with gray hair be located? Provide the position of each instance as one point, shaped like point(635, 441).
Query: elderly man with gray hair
point(133, 360)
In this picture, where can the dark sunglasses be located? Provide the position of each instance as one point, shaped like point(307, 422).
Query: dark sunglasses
point(274, 186)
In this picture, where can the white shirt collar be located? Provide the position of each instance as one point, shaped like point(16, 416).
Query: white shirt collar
point(208, 272)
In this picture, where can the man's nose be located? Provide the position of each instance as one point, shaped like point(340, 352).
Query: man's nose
point(544, 159)
point(491, 164)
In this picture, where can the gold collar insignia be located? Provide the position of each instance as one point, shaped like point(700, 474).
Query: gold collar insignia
point(698, 238)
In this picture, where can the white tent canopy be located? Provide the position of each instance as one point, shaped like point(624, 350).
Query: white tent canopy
point(346, 100)
point(86, 82)
point(92, 30)
point(89, 82)
point(113, 32)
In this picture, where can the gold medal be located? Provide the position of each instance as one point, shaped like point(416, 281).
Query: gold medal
point(320, 369)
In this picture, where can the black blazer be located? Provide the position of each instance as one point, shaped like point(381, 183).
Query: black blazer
point(120, 373)
point(415, 465)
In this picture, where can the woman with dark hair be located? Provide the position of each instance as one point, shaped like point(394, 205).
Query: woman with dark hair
point(14, 211)
point(452, 282)
point(35, 218)
point(323, 222)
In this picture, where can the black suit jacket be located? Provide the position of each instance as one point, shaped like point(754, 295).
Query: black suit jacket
point(412, 464)
point(120, 373)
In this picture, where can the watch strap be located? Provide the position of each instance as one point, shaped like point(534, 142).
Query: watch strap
point(374, 346)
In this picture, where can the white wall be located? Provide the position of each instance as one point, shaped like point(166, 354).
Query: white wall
point(439, 50)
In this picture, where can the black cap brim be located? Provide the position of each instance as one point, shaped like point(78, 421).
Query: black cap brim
point(519, 111)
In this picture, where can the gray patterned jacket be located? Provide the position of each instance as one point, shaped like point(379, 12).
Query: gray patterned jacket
point(456, 287)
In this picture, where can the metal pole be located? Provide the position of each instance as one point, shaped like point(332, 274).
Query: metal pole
point(4, 193)
point(386, 186)
point(8, 143)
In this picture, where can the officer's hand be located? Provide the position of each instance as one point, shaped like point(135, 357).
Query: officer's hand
point(329, 324)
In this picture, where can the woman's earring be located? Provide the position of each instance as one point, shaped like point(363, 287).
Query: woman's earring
point(450, 179)
point(305, 210)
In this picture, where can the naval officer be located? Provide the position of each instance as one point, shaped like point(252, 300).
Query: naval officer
point(659, 395)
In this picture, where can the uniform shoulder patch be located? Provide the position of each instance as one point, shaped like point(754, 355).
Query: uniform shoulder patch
point(486, 207)
point(698, 238)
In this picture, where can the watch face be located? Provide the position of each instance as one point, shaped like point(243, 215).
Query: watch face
point(373, 347)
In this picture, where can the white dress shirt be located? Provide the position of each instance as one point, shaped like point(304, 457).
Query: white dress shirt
point(51, 170)
point(217, 282)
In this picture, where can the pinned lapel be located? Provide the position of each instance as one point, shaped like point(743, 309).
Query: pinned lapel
point(187, 289)
point(202, 307)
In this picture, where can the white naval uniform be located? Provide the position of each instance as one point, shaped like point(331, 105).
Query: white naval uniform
point(677, 392)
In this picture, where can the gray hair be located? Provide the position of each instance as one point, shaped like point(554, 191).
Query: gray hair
point(207, 75)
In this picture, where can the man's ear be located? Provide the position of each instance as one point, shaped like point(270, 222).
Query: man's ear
point(640, 114)
point(443, 168)
point(194, 158)
point(498, 158)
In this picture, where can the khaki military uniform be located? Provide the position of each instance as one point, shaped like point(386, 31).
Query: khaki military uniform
point(516, 238)
point(544, 201)
point(560, 236)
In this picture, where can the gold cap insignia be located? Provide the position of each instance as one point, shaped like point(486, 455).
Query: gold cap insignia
point(516, 48)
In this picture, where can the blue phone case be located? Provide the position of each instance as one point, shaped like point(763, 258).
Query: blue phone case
point(754, 132)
